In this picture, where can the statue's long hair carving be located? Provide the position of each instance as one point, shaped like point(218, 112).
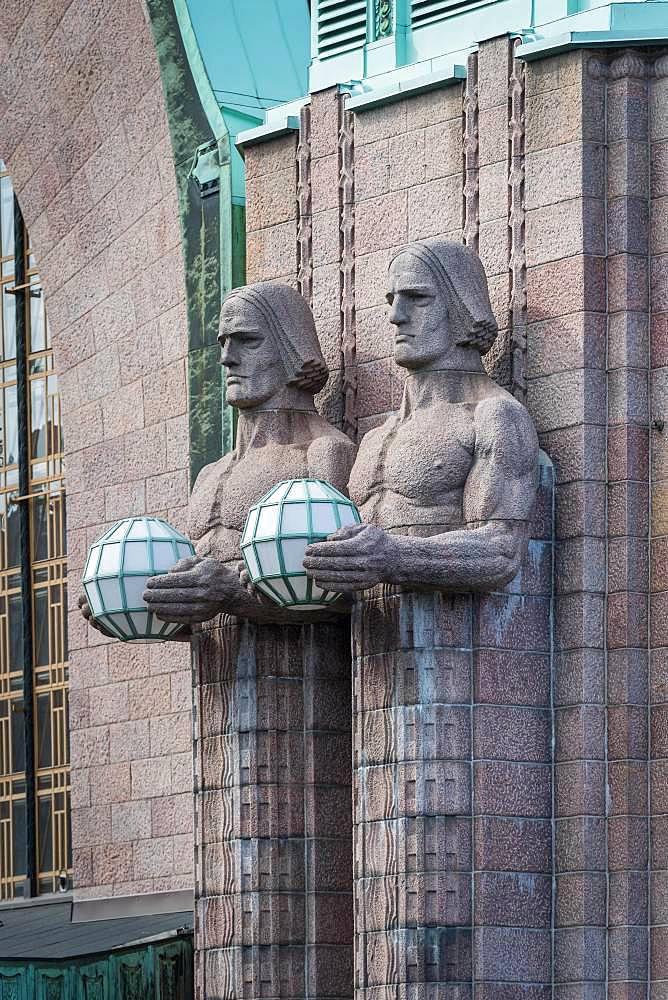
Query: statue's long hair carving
point(460, 274)
point(291, 323)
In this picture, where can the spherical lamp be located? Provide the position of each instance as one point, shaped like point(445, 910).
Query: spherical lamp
point(278, 528)
point(118, 566)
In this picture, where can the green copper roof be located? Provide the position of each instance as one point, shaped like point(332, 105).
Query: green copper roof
point(256, 52)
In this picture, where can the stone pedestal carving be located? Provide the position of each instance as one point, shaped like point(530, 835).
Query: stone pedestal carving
point(452, 829)
point(452, 789)
point(274, 910)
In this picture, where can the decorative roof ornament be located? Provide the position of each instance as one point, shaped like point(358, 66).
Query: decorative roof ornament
point(383, 18)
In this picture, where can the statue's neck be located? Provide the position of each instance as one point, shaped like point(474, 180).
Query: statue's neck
point(426, 388)
point(258, 427)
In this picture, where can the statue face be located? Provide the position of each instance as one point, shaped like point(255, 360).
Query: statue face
point(418, 312)
point(255, 372)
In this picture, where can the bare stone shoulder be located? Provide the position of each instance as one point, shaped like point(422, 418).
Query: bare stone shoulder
point(504, 429)
point(331, 457)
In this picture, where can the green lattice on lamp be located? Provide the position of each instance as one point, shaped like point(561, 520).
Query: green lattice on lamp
point(289, 517)
point(119, 564)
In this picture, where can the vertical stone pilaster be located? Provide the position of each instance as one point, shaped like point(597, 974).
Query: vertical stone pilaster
point(273, 876)
point(627, 273)
point(347, 230)
point(471, 207)
point(566, 396)
point(516, 221)
point(327, 205)
point(658, 527)
point(495, 68)
point(512, 773)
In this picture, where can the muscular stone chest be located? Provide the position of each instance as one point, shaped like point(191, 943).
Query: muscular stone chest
point(422, 459)
point(228, 488)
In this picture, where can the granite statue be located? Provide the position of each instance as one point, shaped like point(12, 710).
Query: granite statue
point(447, 484)
point(275, 367)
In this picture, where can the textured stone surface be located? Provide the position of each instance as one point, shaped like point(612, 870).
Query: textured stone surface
point(416, 672)
point(271, 381)
point(96, 186)
point(272, 808)
point(439, 306)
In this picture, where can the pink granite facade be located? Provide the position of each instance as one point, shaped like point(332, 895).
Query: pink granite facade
point(83, 130)
point(556, 172)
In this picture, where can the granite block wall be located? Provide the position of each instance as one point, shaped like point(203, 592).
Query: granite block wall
point(83, 130)
point(554, 171)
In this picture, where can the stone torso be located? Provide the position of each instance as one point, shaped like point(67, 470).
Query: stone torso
point(411, 471)
point(299, 446)
point(220, 500)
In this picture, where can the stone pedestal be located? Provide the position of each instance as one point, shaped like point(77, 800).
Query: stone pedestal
point(273, 852)
point(452, 784)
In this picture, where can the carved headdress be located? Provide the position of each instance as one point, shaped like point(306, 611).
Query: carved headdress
point(291, 324)
point(461, 276)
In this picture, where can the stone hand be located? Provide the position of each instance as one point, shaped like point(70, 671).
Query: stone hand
point(194, 590)
point(353, 558)
point(251, 589)
point(84, 607)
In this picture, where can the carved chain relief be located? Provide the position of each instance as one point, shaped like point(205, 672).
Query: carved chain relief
point(516, 222)
point(347, 279)
point(304, 223)
point(471, 225)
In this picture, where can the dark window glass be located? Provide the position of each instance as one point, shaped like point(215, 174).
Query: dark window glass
point(13, 552)
point(19, 851)
point(40, 528)
point(45, 835)
point(18, 736)
point(15, 632)
point(43, 722)
point(41, 627)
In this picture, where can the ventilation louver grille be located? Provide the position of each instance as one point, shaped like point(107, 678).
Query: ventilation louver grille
point(341, 26)
point(426, 11)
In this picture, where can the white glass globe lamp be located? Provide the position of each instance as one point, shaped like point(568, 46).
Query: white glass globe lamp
point(119, 564)
point(278, 528)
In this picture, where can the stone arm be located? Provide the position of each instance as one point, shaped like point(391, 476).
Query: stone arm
point(484, 554)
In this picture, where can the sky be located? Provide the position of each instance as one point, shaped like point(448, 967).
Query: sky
point(256, 52)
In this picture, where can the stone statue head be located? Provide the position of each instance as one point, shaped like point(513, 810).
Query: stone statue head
point(268, 342)
point(438, 297)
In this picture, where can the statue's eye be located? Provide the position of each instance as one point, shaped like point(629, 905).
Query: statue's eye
point(389, 298)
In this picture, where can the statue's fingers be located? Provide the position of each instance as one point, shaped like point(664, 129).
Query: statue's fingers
point(341, 562)
point(356, 546)
point(173, 580)
point(185, 564)
point(189, 596)
point(342, 585)
point(349, 531)
point(165, 615)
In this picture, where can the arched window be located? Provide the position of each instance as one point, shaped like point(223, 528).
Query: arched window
point(34, 745)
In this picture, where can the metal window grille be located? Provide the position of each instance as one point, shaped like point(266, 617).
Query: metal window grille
point(342, 25)
point(425, 12)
